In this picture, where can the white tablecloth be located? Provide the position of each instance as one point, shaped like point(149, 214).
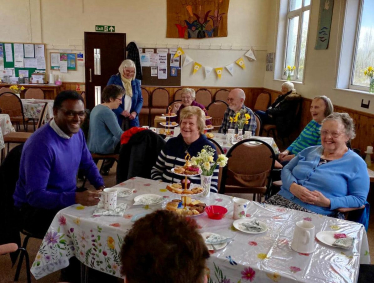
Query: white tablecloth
point(221, 139)
point(5, 128)
point(96, 242)
point(33, 107)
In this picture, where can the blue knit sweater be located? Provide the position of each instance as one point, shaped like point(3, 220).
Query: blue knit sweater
point(48, 169)
point(344, 181)
point(173, 155)
point(309, 136)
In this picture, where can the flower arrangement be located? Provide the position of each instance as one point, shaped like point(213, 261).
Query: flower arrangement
point(289, 71)
point(369, 72)
point(205, 160)
point(16, 89)
point(241, 118)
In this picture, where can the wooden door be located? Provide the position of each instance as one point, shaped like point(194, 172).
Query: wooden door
point(104, 53)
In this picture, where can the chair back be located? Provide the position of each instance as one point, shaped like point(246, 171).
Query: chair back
point(262, 101)
point(11, 104)
point(145, 95)
point(35, 93)
point(219, 151)
point(221, 94)
point(204, 97)
point(178, 94)
point(216, 110)
point(160, 98)
point(259, 124)
point(5, 89)
point(42, 116)
point(248, 168)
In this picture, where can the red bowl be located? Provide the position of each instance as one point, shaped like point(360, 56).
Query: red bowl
point(216, 211)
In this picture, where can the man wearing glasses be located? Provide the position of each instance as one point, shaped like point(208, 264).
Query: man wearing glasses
point(236, 100)
point(49, 164)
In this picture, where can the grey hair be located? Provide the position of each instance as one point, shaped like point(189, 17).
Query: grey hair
point(127, 64)
point(346, 120)
point(190, 111)
point(290, 86)
point(239, 92)
point(329, 107)
point(190, 91)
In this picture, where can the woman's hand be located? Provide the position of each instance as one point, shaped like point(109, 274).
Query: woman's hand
point(283, 154)
point(176, 107)
point(321, 200)
point(132, 115)
point(125, 113)
point(303, 194)
point(286, 158)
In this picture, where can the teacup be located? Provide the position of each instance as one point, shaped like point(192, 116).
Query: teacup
point(247, 134)
point(303, 237)
point(240, 208)
point(109, 198)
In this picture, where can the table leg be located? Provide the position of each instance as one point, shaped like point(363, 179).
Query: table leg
point(84, 273)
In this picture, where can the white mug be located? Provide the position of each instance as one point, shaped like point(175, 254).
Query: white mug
point(240, 208)
point(109, 198)
point(247, 134)
point(303, 237)
point(177, 131)
point(231, 131)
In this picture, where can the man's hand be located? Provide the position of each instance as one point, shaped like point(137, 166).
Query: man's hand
point(132, 115)
point(87, 198)
point(303, 194)
point(125, 113)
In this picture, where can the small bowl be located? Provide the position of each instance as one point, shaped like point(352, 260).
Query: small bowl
point(216, 211)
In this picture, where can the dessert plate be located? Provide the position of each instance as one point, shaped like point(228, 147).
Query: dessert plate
point(248, 225)
point(168, 125)
point(208, 236)
point(148, 199)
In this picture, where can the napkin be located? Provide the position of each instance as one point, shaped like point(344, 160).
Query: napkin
point(118, 211)
point(253, 226)
point(215, 239)
point(344, 243)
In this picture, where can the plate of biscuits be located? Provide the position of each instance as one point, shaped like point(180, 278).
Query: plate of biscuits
point(167, 124)
point(177, 188)
point(186, 207)
point(187, 170)
point(169, 115)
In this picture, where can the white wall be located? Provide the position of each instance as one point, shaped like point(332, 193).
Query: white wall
point(61, 25)
point(321, 65)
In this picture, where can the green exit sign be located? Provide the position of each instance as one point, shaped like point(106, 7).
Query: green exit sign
point(105, 28)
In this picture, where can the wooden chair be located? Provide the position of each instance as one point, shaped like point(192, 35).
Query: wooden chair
point(178, 94)
point(5, 89)
point(248, 168)
point(11, 104)
point(221, 94)
point(35, 93)
point(216, 110)
point(262, 101)
point(83, 94)
point(160, 100)
point(145, 109)
point(203, 96)
point(259, 124)
point(21, 137)
point(219, 151)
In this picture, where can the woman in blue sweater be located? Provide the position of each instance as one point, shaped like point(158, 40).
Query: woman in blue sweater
point(132, 102)
point(323, 179)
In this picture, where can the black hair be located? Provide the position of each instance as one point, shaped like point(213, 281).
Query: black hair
point(65, 95)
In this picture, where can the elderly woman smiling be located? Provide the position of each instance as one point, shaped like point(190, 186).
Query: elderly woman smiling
point(188, 99)
point(323, 179)
point(191, 140)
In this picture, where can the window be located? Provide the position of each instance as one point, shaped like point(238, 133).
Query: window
point(296, 35)
point(364, 46)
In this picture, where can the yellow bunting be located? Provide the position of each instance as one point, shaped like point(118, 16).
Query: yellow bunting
point(196, 67)
point(219, 72)
point(240, 62)
point(179, 52)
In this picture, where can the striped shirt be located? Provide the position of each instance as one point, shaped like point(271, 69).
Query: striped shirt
point(173, 155)
point(310, 136)
point(226, 124)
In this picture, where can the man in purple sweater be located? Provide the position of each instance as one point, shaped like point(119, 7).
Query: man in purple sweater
point(49, 164)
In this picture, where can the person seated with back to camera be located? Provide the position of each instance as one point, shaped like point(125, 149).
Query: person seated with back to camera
point(164, 247)
point(320, 108)
point(104, 133)
point(191, 140)
point(328, 178)
point(236, 100)
point(188, 96)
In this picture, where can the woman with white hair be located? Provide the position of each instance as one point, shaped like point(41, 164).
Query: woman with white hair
point(132, 102)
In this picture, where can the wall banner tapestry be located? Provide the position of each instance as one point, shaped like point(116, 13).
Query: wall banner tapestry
point(324, 24)
point(197, 18)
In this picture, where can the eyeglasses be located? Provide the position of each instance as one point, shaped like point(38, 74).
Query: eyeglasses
point(129, 72)
point(186, 97)
point(71, 113)
point(333, 134)
point(120, 99)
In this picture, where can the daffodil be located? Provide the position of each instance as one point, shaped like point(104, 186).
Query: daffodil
point(289, 67)
point(211, 159)
point(370, 68)
point(206, 165)
point(247, 116)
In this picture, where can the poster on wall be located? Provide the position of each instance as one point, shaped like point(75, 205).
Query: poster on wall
point(324, 24)
point(197, 19)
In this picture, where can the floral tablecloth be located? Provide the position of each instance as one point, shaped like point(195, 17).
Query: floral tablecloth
point(221, 139)
point(5, 128)
point(33, 107)
point(96, 242)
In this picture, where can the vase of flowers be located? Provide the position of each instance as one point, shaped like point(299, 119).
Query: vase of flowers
point(289, 71)
point(241, 118)
point(205, 160)
point(369, 71)
point(16, 89)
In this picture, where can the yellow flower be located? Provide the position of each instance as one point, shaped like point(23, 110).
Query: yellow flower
point(247, 116)
point(293, 68)
point(22, 88)
point(237, 115)
point(289, 67)
point(365, 72)
point(370, 68)
point(210, 158)
point(77, 221)
point(110, 242)
point(206, 165)
point(231, 119)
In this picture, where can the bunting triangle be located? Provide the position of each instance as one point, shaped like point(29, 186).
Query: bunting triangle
point(230, 68)
point(219, 72)
point(250, 55)
point(179, 52)
point(196, 67)
point(208, 70)
point(240, 62)
point(187, 60)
